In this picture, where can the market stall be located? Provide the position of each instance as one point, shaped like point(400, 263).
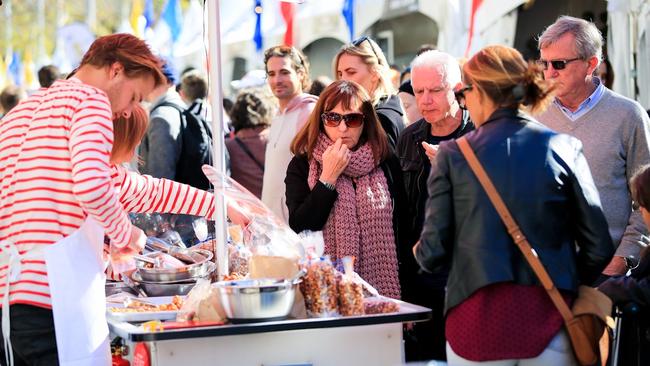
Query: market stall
point(355, 340)
point(281, 302)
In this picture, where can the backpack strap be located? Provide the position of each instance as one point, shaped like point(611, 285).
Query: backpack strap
point(249, 153)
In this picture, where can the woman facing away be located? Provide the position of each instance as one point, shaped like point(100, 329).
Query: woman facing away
point(344, 181)
point(363, 62)
point(251, 116)
point(496, 309)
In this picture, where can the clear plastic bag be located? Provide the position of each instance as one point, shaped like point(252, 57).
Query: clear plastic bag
point(319, 288)
point(201, 304)
point(350, 291)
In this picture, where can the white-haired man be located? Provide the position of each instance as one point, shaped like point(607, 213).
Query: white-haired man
point(434, 77)
point(614, 130)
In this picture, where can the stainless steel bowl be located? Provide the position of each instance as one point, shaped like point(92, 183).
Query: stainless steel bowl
point(256, 300)
point(190, 271)
point(113, 288)
point(170, 288)
point(167, 289)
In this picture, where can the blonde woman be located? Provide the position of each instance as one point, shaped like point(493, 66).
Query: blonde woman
point(363, 62)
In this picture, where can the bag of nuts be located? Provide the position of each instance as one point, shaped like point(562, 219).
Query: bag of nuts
point(350, 291)
point(319, 288)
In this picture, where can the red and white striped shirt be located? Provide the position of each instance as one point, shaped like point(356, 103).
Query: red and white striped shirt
point(54, 169)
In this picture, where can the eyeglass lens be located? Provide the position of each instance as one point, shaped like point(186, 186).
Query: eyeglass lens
point(333, 119)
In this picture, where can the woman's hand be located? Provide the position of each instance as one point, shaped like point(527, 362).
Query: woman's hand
point(335, 159)
point(237, 215)
point(137, 241)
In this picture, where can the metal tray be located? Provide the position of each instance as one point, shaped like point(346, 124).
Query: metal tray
point(142, 316)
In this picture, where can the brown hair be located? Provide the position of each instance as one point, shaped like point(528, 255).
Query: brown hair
point(252, 108)
point(640, 187)
point(194, 86)
point(127, 134)
point(351, 96)
point(130, 51)
point(503, 75)
point(298, 59)
point(371, 55)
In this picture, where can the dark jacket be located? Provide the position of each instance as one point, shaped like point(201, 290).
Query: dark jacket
point(544, 180)
point(391, 116)
point(309, 209)
point(416, 166)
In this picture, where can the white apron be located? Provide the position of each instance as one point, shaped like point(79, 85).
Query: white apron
point(75, 271)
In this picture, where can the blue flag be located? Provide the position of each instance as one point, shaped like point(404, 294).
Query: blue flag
point(348, 14)
point(148, 13)
point(15, 69)
point(257, 37)
point(172, 16)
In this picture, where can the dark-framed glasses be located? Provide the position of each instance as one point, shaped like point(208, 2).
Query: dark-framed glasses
point(333, 119)
point(460, 95)
point(557, 64)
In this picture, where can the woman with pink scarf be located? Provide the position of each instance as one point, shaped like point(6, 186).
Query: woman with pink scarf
point(345, 181)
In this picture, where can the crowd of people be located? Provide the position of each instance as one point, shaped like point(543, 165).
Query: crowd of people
point(371, 159)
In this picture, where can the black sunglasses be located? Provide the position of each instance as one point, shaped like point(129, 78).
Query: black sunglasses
point(557, 64)
point(357, 42)
point(333, 119)
point(460, 95)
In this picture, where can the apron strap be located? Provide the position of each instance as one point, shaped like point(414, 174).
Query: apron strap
point(13, 272)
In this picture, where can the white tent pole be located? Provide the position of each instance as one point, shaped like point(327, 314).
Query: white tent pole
point(216, 95)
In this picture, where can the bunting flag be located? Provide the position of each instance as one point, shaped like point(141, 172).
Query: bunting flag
point(148, 13)
point(134, 18)
point(257, 36)
point(3, 73)
point(172, 15)
point(472, 17)
point(288, 10)
point(348, 14)
point(29, 70)
point(14, 70)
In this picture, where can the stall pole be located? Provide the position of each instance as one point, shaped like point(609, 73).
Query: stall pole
point(216, 96)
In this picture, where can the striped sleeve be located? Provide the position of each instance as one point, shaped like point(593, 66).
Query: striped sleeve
point(91, 140)
point(143, 193)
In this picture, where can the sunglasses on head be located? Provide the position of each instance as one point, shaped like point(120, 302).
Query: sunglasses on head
point(333, 119)
point(357, 43)
point(557, 64)
point(460, 95)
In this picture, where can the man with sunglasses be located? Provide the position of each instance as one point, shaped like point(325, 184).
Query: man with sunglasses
point(614, 130)
point(287, 72)
point(434, 77)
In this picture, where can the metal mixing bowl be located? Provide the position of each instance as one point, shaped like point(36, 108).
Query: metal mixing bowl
point(170, 288)
point(256, 300)
point(188, 272)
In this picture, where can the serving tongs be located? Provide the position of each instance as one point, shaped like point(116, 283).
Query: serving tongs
point(156, 244)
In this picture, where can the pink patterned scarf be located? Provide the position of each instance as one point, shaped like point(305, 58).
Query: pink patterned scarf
point(361, 221)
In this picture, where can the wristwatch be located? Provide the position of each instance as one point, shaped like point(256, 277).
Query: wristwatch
point(329, 186)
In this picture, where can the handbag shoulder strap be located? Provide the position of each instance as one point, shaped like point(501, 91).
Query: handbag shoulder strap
point(514, 230)
point(245, 148)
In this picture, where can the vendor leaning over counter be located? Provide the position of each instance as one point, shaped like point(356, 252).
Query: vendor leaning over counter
point(59, 195)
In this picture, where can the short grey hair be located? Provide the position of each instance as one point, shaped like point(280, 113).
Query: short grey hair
point(588, 39)
point(444, 62)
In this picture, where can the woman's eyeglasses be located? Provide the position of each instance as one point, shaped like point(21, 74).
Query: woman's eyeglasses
point(557, 64)
point(333, 119)
point(460, 95)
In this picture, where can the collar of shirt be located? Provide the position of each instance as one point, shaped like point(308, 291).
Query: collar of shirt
point(585, 106)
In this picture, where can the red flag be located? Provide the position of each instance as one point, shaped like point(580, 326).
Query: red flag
point(288, 10)
point(470, 35)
